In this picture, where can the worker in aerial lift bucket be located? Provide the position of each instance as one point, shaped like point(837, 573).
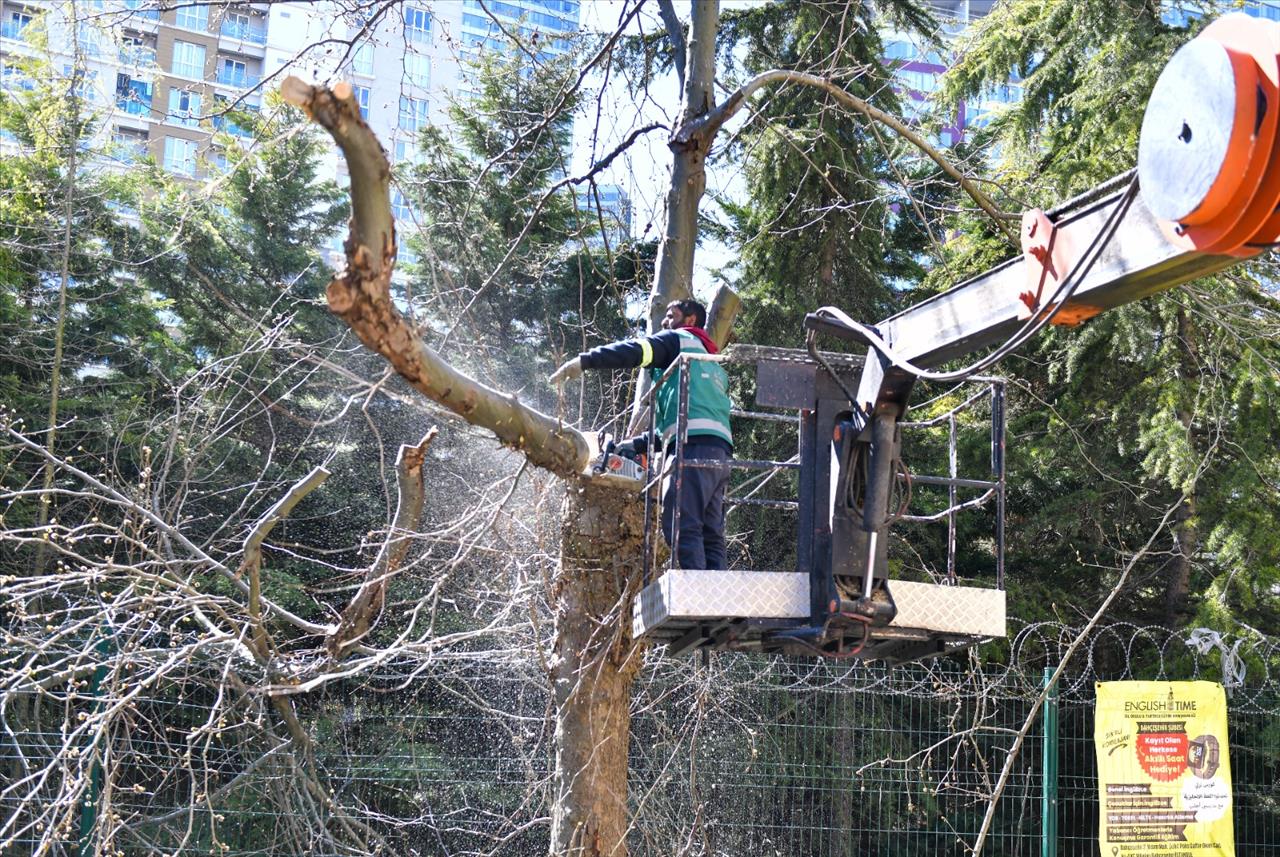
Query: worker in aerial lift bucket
point(701, 502)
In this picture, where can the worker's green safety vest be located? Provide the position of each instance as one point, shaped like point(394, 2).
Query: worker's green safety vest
point(708, 395)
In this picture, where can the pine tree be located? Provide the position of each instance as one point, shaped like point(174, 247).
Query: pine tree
point(1171, 397)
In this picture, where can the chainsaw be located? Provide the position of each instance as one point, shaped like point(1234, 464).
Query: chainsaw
point(628, 459)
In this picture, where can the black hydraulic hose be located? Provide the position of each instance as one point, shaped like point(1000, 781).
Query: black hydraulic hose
point(1066, 289)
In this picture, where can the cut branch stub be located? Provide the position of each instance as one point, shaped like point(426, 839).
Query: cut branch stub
point(361, 296)
point(720, 317)
point(372, 225)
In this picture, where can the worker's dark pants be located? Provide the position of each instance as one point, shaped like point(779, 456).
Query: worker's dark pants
point(701, 504)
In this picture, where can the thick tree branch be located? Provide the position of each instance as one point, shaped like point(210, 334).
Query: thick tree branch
point(675, 34)
point(252, 562)
point(700, 76)
point(361, 296)
point(706, 126)
point(361, 615)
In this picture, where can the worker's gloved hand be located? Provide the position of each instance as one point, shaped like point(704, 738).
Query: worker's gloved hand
point(634, 447)
point(567, 372)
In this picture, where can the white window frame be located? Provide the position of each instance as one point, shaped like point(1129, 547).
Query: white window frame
point(185, 114)
point(417, 69)
point(180, 155)
point(417, 24)
point(362, 99)
point(362, 59)
point(193, 17)
point(234, 70)
point(415, 111)
point(183, 55)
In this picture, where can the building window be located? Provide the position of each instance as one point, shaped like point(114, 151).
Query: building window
point(235, 23)
point(417, 24)
point(362, 59)
point(140, 10)
point(188, 60)
point(362, 98)
point(235, 73)
point(194, 17)
point(17, 22)
point(404, 151)
point(184, 107)
point(180, 156)
point(85, 83)
point(417, 69)
point(136, 51)
point(133, 96)
point(240, 25)
point(400, 207)
point(413, 113)
point(13, 77)
point(90, 40)
point(130, 145)
point(218, 162)
point(920, 81)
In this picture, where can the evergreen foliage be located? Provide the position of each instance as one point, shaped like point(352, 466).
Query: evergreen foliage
point(504, 250)
point(1118, 418)
point(69, 304)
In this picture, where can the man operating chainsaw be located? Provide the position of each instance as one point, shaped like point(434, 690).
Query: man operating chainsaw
point(709, 441)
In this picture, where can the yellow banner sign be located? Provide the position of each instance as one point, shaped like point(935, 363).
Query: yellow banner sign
point(1164, 776)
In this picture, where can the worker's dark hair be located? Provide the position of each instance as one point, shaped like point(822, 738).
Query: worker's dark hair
point(691, 308)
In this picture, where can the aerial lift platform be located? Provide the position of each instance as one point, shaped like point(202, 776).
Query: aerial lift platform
point(1209, 178)
point(772, 610)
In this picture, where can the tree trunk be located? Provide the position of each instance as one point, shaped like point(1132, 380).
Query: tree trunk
point(674, 278)
point(594, 666)
point(1186, 538)
point(1178, 582)
point(72, 140)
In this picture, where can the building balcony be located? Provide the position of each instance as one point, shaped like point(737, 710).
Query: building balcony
point(129, 151)
point(227, 126)
point(238, 79)
point(140, 12)
point(138, 56)
point(255, 33)
point(133, 106)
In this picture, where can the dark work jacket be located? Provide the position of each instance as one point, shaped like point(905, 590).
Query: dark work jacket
point(656, 353)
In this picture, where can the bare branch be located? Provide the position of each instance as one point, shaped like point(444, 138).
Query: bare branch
point(706, 126)
point(675, 34)
point(252, 562)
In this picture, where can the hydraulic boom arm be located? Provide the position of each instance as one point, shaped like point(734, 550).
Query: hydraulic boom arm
point(1105, 248)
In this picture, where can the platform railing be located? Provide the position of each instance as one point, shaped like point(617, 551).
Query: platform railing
point(674, 463)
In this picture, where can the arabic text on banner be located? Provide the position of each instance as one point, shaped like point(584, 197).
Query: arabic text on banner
point(1164, 776)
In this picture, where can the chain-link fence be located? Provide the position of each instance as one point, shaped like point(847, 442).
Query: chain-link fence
point(739, 755)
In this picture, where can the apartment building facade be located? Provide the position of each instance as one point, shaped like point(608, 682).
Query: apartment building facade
point(165, 81)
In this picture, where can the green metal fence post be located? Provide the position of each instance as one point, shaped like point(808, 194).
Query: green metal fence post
point(89, 811)
point(1049, 784)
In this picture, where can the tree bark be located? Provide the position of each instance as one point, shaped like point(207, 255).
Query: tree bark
point(72, 140)
point(720, 316)
point(1178, 582)
point(674, 278)
point(602, 528)
point(1177, 589)
point(593, 669)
